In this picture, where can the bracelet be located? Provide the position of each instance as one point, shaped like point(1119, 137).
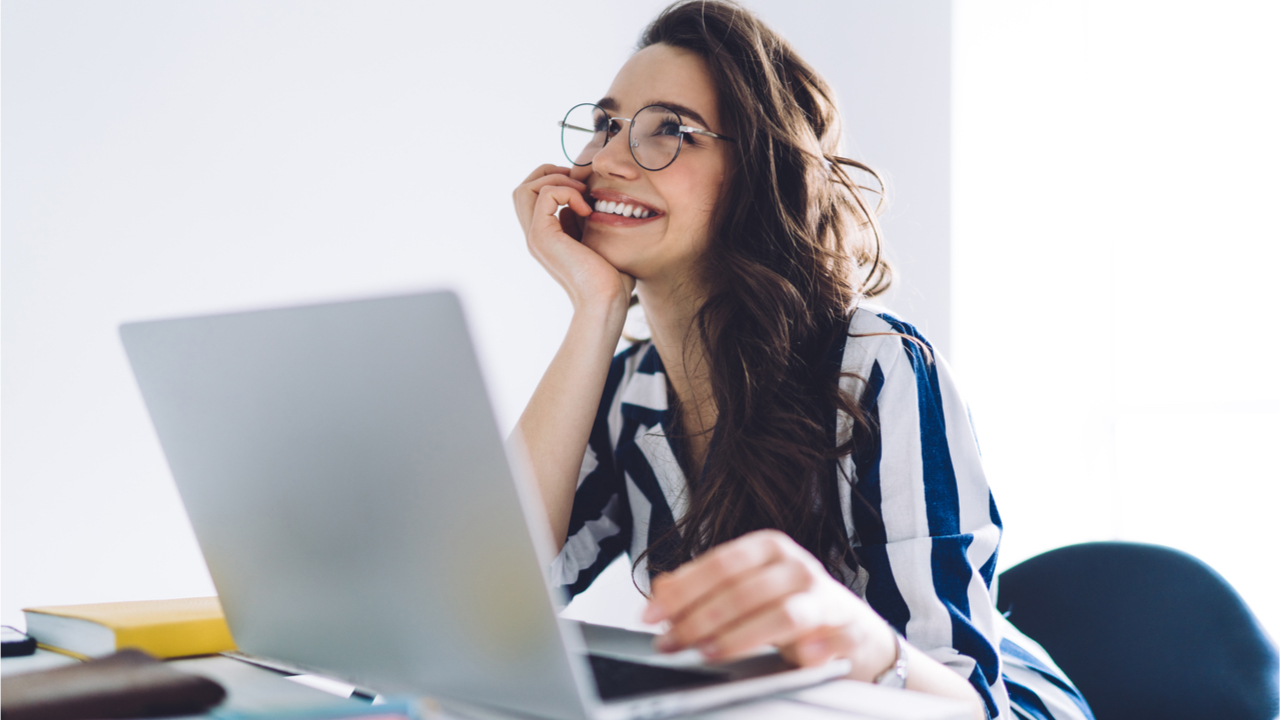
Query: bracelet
point(896, 675)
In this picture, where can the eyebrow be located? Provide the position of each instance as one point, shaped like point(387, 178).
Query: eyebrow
point(610, 104)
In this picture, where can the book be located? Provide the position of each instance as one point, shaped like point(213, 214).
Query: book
point(163, 628)
point(127, 684)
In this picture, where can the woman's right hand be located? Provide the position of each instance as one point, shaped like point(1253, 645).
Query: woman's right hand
point(554, 239)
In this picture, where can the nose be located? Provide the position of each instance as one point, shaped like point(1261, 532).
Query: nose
point(615, 159)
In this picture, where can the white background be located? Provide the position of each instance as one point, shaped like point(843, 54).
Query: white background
point(1110, 165)
point(1115, 245)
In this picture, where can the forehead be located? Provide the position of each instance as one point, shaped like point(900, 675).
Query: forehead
point(661, 74)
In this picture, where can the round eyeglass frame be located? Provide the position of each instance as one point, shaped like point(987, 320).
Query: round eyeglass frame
point(632, 143)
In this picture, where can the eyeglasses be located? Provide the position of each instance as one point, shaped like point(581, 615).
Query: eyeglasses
point(655, 135)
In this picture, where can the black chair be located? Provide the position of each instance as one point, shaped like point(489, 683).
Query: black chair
point(1145, 632)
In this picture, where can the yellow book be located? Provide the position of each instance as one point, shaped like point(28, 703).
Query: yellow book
point(164, 628)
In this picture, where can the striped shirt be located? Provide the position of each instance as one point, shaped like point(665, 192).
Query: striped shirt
point(926, 536)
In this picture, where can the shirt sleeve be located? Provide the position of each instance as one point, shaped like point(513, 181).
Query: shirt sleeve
point(923, 522)
point(600, 523)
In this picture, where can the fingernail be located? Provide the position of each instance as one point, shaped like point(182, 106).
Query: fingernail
point(666, 643)
point(709, 649)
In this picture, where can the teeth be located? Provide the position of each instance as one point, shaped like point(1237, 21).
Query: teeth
point(623, 209)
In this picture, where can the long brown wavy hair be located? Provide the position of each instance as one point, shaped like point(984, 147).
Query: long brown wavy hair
point(794, 246)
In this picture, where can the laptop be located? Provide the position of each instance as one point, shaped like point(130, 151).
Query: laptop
point(362, 519)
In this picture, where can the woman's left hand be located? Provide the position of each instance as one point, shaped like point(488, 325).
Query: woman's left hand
point(764, 589)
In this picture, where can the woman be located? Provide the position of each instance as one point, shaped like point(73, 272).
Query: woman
point(784, 466)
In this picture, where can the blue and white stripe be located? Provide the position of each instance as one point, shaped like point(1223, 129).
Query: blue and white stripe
point(926, 531)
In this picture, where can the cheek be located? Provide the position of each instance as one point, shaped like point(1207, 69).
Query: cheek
point(698, 208)
point(701, 191)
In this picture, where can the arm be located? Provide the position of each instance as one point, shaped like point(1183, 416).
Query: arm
point(928, 530)
point(927, 535)
point(556, 424)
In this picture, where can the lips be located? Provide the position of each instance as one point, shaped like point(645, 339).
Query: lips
point(619, 210)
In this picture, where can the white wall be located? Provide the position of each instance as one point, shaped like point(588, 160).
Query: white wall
point(1115, 252)
point(165, 158)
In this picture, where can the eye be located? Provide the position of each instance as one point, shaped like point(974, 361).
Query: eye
point(668, 128)
point(671, 129)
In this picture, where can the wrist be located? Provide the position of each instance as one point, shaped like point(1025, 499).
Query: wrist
point(609, 311)
point(895, 675)
point(601, 321)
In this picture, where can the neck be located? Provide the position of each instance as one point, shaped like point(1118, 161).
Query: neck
point(670, 311)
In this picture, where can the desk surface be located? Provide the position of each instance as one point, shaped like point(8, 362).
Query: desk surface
point(253, 689)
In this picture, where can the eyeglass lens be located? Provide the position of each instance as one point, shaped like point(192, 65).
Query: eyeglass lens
point(654, 135)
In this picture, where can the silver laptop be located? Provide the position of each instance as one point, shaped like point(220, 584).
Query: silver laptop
point(361, 518)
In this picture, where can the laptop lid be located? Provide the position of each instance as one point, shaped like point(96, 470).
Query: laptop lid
point(343, 472)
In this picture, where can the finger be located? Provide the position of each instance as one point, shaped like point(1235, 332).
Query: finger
point(728, 605)
point(526, 196)
point(547, 169)
point(550, 198)
point(781, 623)
point(676, 592)
point(533, 186)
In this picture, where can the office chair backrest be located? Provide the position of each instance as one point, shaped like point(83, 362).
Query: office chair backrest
point(1145, 632)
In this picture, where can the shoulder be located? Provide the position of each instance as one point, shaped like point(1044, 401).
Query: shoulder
point(878, 339)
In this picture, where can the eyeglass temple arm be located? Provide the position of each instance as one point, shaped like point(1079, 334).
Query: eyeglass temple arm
point(683, 128)
point(564, 124)
point(708, 133)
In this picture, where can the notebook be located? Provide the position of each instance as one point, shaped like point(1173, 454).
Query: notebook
point(361, 517)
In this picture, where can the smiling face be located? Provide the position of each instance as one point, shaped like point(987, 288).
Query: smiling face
point(664, 246)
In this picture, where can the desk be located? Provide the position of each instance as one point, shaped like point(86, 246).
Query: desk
point(253, 689)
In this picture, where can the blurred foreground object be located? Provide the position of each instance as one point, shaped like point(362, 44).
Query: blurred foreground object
point(128, 684)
